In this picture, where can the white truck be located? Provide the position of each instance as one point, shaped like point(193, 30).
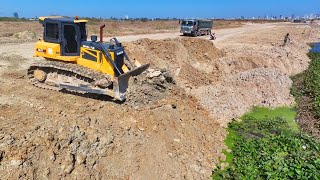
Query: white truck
point(196, 27)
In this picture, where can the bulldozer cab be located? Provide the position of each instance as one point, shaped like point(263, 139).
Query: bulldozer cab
point(67, 32)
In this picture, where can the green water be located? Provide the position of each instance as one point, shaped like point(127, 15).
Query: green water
point(287, 113)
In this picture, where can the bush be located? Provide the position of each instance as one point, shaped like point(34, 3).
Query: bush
point(12, 19)
point(312, 81)
point(269, 149)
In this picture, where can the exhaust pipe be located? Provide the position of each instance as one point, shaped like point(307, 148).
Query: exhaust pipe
point(101, 32)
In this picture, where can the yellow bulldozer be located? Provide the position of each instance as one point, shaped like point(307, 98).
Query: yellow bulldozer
point(73, 63)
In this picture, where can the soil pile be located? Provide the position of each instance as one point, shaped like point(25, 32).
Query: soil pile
point(290, 59)
point(235, 96)
point(18, 37)
point(190, 61)
point(26, 35)
point(215, 77)
point(149, 87)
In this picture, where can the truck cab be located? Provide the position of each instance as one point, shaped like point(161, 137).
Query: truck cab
point(196, 27)
point(187, 27)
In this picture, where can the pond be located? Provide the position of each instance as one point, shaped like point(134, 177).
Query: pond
point(315, 47)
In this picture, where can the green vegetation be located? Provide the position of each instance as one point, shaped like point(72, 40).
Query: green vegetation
point(285, 113)
point(266, 144)
point(308, 83)
point(297, 89)
point(12, 19)
point(312, 81)
point(306, 90)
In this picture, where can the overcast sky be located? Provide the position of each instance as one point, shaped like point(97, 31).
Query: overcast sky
point(160, 8)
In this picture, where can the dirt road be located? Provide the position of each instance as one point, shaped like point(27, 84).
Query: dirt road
point(26, 49)
point(172, 132)
point(221, 34)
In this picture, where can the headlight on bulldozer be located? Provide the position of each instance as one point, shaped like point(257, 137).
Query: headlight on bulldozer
point(41, 50)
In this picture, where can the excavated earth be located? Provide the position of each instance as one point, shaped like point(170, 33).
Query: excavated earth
point(249, 70)
point(171, 126)
point(48, 135)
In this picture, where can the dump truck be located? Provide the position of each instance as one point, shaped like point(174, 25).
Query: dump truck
point(196, 27)
point(73, 63)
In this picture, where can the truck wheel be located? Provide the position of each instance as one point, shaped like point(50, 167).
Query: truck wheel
point(195, 34)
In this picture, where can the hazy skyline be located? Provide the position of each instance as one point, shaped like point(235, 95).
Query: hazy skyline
point(162, 9)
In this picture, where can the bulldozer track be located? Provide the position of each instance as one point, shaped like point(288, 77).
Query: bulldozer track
point(71, 71)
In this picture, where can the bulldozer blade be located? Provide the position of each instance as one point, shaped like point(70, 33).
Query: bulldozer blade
point(120, 83)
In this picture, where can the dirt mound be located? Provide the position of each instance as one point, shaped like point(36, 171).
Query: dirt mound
point(164, 141)
point(236, 95)
point(149, 87)
point(26, 35)
point(290, 59)
point(19, 37)
point(188, 59)
point(197, 62)
point(229, 82)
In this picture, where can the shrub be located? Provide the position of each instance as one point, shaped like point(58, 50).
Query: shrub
point(269, 149)
point(312, 81)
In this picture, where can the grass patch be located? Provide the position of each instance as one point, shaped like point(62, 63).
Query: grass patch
point(286, 113)
point(230, 142)
point(267, 144)
point(297, 89)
